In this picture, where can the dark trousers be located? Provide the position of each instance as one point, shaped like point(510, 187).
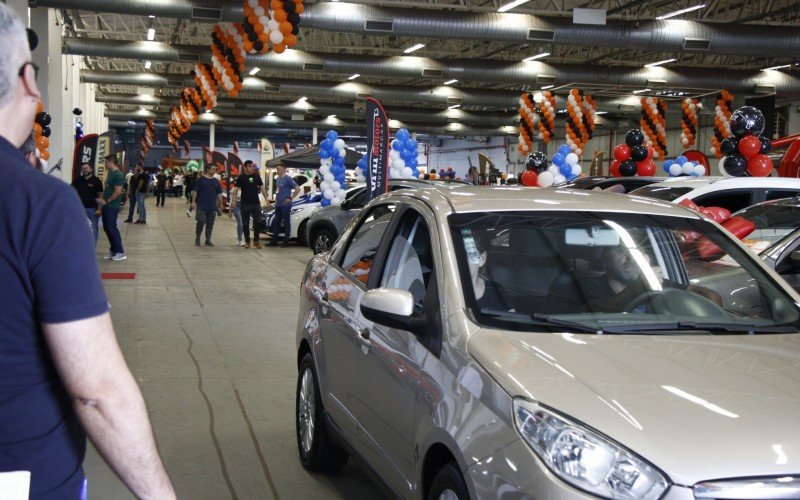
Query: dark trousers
point(131, 204)
point(161, 195)
point(111, 229)
point(205, 218)
point(250, 210)
point(281, 216)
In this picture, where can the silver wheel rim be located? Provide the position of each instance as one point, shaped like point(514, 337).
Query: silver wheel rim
point(322, 243)
point(305, 411)
point(448, 495)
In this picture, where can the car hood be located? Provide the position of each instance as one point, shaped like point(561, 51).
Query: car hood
point(697, 407)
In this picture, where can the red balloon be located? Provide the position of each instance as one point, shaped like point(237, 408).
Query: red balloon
point(622, 152)
point(614, 169)
point(646, 168)
point(758, 165)
point(749, 146)
point(529, 178)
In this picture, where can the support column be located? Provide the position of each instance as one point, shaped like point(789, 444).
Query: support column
point(314, 134)
point(212, 135)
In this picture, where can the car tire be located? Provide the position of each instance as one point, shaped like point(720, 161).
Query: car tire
point(322, 240)
point(301, 233)
point(317, 452)
point(448, 484)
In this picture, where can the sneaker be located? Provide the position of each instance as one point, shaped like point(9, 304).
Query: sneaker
point(240, 243)
point(247, 245)
point(140, 222)
point(188, 213)
point(108, 256)
point(209, 244)
point(257, 244)
point(119, 256)
point(128, 220)
point(272, 244)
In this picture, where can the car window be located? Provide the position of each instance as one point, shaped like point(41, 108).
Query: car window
point(409, 264)
point(733, 200)
point(364, 243)
point(359, 200)
point(777, 194)
point(661, 192)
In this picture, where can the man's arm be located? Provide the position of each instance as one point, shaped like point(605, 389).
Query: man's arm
point(108, 402)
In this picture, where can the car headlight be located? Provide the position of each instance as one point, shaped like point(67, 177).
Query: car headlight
point(294, 211)
point(585, 459)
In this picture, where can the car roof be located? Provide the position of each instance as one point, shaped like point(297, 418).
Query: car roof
point(466, 198)
point(726, 182)
point(781, 202)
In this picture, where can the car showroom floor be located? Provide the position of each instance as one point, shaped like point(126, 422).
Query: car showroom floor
point(209, 335)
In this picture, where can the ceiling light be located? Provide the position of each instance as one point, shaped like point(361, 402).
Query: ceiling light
point(254, 71)
point(679, 12)
point(303, 99)
point(151, 34)
point(511, 5)
point(147, 64)
point(454, 106)
point(151, 16)
point(415, 47)
point(659, 63)
point(548, 87)
point(271, 113)
point(450, 82)
point(208, 111)
point(773, 68)
point(640, 91)
point(353, 77)
point(537, 56)
point(331, 117)
point(601, 112)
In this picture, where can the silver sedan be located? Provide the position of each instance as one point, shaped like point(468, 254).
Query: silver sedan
point(531, 343)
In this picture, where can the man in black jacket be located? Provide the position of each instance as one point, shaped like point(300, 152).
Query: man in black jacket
point(89, 189)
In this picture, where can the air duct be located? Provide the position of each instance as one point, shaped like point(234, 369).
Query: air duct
point(475, 70)
point(221, 10)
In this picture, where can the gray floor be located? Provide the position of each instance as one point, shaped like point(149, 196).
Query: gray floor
point(209, 335)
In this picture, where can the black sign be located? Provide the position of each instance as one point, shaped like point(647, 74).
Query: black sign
point(377, 149)
point(85, 152)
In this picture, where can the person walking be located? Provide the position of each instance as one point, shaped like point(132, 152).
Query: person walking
point(142, 192)
point(249, 185)
point(206, 199)
point(132, 183)
point(161, 188)
point(109, 206)
point(90, 189)
point(62, 375)
point(177, 184)
point(472, 176)
point(285, 190)
point(235, 210)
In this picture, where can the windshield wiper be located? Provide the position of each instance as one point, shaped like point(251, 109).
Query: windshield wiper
point(711, 328)
point(545, 320)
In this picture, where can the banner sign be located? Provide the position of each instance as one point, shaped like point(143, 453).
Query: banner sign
point(235, 166)
point(377, 148)
point(85, 152)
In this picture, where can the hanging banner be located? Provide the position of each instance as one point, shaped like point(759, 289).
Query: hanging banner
point(234, 169)
point(85, 152)
point(377, 148)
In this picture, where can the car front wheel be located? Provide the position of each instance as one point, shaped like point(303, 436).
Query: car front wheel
point(301, 233)
point(317, 452)
point(448, 484)
point(322, 241)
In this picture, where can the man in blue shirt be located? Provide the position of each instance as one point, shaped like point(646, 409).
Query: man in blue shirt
point(61, 369)
point(206, 200)
point(285, 190)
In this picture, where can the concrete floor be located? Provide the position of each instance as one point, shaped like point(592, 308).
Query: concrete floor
point(209, 335)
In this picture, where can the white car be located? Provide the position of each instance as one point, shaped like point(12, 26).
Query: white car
point(733, 193)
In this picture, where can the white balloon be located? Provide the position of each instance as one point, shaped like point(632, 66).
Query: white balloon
point(559, 179)
point(327, 161)
point(546, 179)
point(358, 172)
point(552, 169)
point(687, 168)
point(395, 154)
point(578, 151)
point(392, 173)
point(342, 152)
point(699, 170)
point(538, 97)
point(328, 177)
point(572, 159)
point(338, 144)
point(259, 10)
point(336, 201)
point(674, 169)
point(276, 37)
point(398, 163)
point(324, 186)
point(336, 185)
point(407, 172)
point(252, 3)
point(328, 194)
point(273, 25)
point(576, 170)
point(361, 178)
point(341, 193)
point(324, 169)
point(685, 141)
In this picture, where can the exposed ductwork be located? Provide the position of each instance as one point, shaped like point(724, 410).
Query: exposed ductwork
point(475, 70)
point(656, 36)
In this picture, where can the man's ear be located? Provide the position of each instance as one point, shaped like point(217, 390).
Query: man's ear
point(29, 83)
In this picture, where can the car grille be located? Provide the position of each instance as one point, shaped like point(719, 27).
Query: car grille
point(768, 488)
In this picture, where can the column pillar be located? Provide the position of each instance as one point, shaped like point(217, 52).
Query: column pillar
point(212, 135)
point(793, 122)
point(314, 136)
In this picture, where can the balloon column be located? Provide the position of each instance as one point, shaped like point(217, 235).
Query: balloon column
point(577, 123)
point(284, 24)
point(683, 166)
point(536, 171)
point(689, 121)
point(653, 123)
point(547, 108)
point(529, 119)
point(633, 157)
point(745, 150)
point(146, 142)
point(226, 60)
point(722, 126)
point(566, 163)
point(78, 123)
point(403, 156)
point(41, 131)
point(206, 85)
point(255, 26)
point(331, 167)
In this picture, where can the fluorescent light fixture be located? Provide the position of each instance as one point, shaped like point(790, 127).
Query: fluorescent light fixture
point(682, 11)
point(511, 5)
point(151, 16)
point(331, 117)
point(415, 47)
point(271, 113)
point(208, 111)
point(640, 91)
point(303, 99)
point(450, 82)
point(601, 112)
point(773, 68)
point(151, 34)
point(254, 71)
point(548, 87)
point(454, 106)
point(147, 64)
point(659, 63)
point(537, 56)
point(353, 77)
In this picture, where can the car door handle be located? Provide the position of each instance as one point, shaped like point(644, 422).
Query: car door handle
point(364, 333)
point(363, 338)
point(323, 301)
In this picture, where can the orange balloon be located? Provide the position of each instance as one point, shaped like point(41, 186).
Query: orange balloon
point(259, 30)
point(299, 8)
point(276, 5)
point(44, 155)
point(39, 106)
point(281, 16)
point(279, 48)
point(37, 129)
point(234, 92)
point(285, 27)
point(290, 40)
point(42, 142)
point(248, 47)
point(238, 86)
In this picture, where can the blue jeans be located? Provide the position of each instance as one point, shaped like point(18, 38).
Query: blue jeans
point(131, 205)
point(281, 215)
point(237, 214)
point(142, 210)
point(110, 227)
point(93, 220)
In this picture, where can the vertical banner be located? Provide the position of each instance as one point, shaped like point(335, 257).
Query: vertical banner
point(377, 148)
point(85, 152)
point(103, 149)
point(234, 169)
point(267, 150)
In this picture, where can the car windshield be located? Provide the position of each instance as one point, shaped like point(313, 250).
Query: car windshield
point(661, 192)
point(613, 273)
point(772, 222)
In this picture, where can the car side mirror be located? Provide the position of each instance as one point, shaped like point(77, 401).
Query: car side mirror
point(345, 205)
point(795, 256)
point(391, 307)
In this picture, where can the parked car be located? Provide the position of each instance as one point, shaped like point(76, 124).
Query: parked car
point(475, 343)
point(302, 208)
point(327, 223)
point(733, 193)
point(606, 182)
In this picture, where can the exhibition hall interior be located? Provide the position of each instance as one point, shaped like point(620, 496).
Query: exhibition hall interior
point(422, 249)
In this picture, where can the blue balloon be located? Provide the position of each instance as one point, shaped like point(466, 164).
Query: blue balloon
point(397, 145)
point(325, 202)
point(412, 145)
point(564, 150)
point(403, 135)
point(338, 161)
point(681, 160)
point(334, 153)
point(412, 163)
point(326, 144)
point(332, 135)
point(566, 170)
point(362, 163)
point(559, 159)
point(324, 154)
